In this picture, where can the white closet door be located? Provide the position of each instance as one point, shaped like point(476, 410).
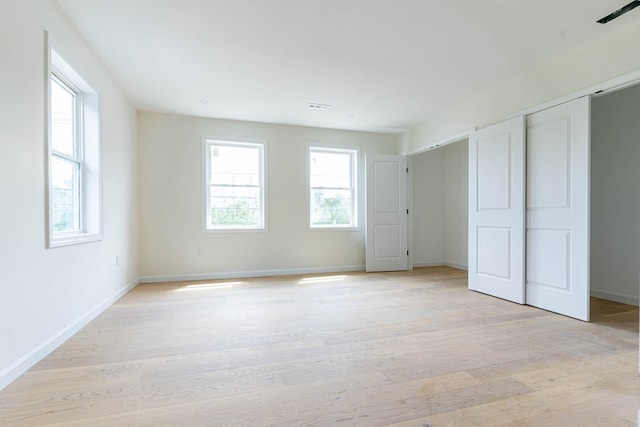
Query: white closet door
point(496, 210)
point(386, 214)
point(557, 276)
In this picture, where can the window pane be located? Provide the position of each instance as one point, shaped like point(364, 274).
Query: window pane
point(331, 207)
point(330, 170)
point(234, 165)
point(65, 195)
point(62, 112)
point(234, 206)
point(235, 185)
point(332, 192)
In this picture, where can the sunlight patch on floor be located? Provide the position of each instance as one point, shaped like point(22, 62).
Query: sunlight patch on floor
point(321, 279)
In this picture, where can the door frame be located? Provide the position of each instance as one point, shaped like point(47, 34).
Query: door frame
point(409, 163)
point(459, 137)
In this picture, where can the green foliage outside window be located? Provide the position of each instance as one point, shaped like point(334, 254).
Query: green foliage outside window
point(63, 205)
point(332, 210)
point(236, 213)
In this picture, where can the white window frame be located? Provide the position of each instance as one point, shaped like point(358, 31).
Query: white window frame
point(354, 157)
point(86, 153)
point(261, 146)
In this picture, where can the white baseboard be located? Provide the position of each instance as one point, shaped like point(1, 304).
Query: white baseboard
point(441, 264)
point(428, 264)
point(458, 266)
point(18, 368)
point(613, 296)
point(247, 274)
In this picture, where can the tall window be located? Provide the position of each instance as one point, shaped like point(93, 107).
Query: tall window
point(74, 157)
point(332, 188)
point(234, 185)
point(66, 157)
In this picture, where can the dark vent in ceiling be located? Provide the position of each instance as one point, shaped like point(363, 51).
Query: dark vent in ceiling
point(619, 12)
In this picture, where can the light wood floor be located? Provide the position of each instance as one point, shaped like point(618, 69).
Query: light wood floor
point(402, 349)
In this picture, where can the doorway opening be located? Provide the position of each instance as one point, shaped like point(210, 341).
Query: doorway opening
point(440, 206)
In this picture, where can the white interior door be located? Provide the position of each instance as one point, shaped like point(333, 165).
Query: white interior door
point(557, 277)
point(386, 213)
point(496, 210)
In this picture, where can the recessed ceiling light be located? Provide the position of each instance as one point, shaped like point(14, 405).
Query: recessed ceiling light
point(316, 106)
point(204, 101)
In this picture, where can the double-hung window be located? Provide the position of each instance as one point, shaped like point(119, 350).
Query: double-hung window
point(74, 157)
point(234, 185)
point(66, 157)
point(333, 197)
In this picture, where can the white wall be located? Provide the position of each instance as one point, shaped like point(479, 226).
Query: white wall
point(605, 59)
point(440, 200)
point(615, 195)
point(48, 294)
point(171, 202)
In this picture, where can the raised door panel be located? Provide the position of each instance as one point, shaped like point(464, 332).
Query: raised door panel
point(494, 252)
point(493, 172)
point(548, 258)
point(496, 214)
point(548, 166)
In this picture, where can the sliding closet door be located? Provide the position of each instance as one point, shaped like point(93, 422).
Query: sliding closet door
point(496, 210)
point(557, 220)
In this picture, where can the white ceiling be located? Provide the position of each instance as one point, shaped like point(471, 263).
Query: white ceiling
point(382, 65)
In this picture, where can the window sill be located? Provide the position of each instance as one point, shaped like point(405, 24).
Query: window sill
point(74, 239)
point(234, 230)
point(329, 228)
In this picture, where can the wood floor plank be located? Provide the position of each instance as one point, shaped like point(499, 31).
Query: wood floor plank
point(402, 348)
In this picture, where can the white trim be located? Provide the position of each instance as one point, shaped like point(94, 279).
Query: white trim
point(429, 264)
point(74, 239)
point(441, 264)
point(18, 368)
point(204, 179)
point(444, 141)
point(249, 274)
point(614, 296)
point(456, 265)
point(328, 228)
point(409, 163)
point(90, 150)
point(354, 153)
point(602, 88)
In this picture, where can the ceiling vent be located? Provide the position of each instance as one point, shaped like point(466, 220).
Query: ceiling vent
point(621, 11)
point(316, 106)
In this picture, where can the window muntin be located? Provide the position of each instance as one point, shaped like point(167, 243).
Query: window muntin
point(74, 196)
point(332, 188)
point(234, 185)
